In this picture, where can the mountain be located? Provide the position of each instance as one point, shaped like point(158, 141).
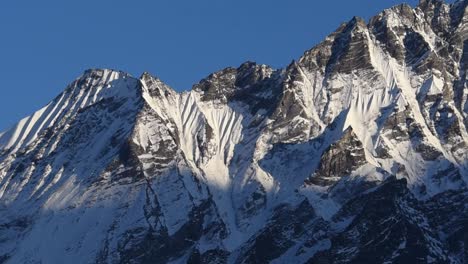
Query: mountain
point(354, 153)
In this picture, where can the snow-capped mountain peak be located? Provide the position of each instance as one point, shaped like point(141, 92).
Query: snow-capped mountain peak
point(354, 153)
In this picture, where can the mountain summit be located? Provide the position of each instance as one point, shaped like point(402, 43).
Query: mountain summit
point(354, 153)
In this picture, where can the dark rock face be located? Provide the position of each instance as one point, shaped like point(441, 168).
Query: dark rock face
point(340, 159)
point(252, 84)
point(387, 34)
point(448, 212)
point(150, 246)
point(400, 124)
point(210, 256)
point(415, 47)
point(290, 107)
point(350, 51)
point(344, 50)
point(461, 85)
point(318, 57)
point(286, 227)
point(387, 226)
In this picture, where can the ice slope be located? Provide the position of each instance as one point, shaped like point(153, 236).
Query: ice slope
point(210, 132)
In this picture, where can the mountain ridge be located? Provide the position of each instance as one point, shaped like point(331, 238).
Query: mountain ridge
point(349, 154)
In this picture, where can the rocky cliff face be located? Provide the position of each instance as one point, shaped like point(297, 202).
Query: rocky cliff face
point(355, 153)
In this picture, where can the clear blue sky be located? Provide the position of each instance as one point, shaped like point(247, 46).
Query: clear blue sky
point(46, 44)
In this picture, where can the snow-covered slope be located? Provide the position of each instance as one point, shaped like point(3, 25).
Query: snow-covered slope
point(354, 153)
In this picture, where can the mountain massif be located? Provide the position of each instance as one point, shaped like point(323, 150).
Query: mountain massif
point(354, 153)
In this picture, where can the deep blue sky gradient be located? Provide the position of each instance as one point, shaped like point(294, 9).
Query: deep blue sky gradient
point(46, 44)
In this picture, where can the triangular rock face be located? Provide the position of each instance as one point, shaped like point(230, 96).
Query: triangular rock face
point(340, 159)
point(355, 153)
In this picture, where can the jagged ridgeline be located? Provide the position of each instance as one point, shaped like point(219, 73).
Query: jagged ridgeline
point(355, 153)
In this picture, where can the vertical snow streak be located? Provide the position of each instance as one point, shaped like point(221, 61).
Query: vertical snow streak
point(68, 103)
